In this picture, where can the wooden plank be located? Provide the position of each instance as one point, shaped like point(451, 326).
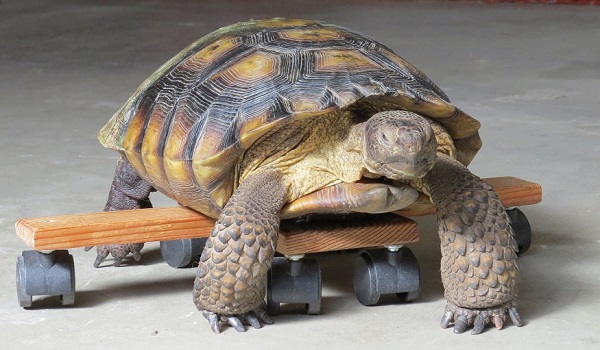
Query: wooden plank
point(512, 191)
point(515, 192)
point(159, 224)
point(162, 224)
point(126, 226)
point(349, 232)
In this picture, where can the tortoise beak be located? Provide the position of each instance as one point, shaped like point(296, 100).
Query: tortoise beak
point(412, 168)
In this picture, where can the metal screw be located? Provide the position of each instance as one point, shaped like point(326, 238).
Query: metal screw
point(394, 248)
point(297, 257)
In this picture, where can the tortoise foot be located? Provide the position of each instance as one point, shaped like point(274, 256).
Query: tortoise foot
point(118, 252)
point(256, 319)
point(479, 318)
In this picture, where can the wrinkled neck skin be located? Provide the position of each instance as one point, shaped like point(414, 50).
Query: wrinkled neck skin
point(445, 177)
point(356, 143)
point(420, 184)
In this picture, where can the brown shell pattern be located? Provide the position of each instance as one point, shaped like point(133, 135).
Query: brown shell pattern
point(187, 125)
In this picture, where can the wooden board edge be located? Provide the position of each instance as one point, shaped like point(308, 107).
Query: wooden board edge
point(526, 193)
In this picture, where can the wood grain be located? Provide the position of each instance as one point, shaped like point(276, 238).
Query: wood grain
point(161, 224)
point(348, 232)
point(126, 226)
point(512, 191)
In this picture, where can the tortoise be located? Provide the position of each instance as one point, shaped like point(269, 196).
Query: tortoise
point(271, 119)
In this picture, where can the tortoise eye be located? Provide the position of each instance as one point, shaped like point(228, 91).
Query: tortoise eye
point(385, 138)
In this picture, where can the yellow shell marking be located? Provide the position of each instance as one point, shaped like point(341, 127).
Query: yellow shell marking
point(253, 129)
point(152, 162)
point(215, 50)
point(134, 131)
point(313, 34)
point(336, 60)
point(253, 68)
point(301, 105)
point(176, 171)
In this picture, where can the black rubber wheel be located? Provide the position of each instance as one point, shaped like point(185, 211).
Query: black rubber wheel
point(365, 280)
point(25, 300)
point(272, 306)
point(313, 308)
point(45, 274)
point(522, 229)
point(382, 271)
point(407, 297)
point(182, 253)
point(294, 282)
point(68, 298)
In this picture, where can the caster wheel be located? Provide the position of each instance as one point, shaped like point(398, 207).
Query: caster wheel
point(182, 253)
point(365, 280)
point(384, 271)
point(45, 274)
point(407, 297)
point(522, 229)
point(273, 307)
point(25, 300)
point(297, 282)
point(67, 299)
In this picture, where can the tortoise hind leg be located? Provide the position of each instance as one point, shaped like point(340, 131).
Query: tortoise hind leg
point(231, 278)
point(128, 191)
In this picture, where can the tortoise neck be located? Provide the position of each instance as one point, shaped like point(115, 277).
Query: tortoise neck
point(355, 143)
point(355, 139)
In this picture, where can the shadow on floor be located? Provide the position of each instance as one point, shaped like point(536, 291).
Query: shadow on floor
point(113, 293)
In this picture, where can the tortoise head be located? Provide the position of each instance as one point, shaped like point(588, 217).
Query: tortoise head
point(399, 145)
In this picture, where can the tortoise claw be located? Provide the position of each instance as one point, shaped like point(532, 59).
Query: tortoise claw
point(100, 257)
point(263, 315)
point(515, 317)
point(479, 318)
point(256, 319)
point(461, 324)
point(479, 324)
point(137, 255)
point(117, 262)
point(446, 319)
point(236, 323)
point(118, 252)
point(213, 321)
point(253, 321)
point(498, 321)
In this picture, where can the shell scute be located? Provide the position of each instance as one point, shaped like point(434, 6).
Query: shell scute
point(212, 52)
point(311, 34)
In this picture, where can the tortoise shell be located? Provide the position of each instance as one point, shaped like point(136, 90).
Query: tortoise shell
point(186, 127)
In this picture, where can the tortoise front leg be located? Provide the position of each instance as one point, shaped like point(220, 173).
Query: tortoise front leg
point(230, 283)
point(128, 191)
point(344, 198)
point(479, 261)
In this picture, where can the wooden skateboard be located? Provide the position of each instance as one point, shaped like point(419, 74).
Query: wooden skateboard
point(179, 229)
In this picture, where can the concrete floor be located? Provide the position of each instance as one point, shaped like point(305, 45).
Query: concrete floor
point(528, 73)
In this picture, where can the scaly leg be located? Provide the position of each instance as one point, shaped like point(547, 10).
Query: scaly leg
point(230, 283)
point(479, 261)
point(128, 191)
